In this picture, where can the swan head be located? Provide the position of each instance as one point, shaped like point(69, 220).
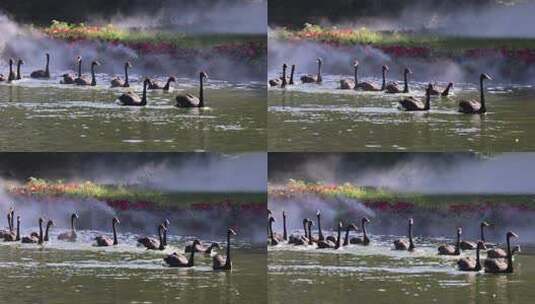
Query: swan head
point(459, 230)
point(41, 220)
point(318, 213)
point(511, 234)
point(305, 221)
point(204, 75)
point(115, 220)
point(407, 71)
point(78, 59)
point(231, 231)
point(272, 219)
point(385, 68)
point(485, 76)
point(283, 213)
point(20, 61)
point(355, 63)
point(11, 61)
point(166, 223)
point(480, 245)
point(310, 223)
point(172, 79)
point(161, 227)
point(50, 223)
point(47, 55)
point(146, 81)
point(320, 61)
point(128, 64)
point(95, 63)
point(18, 218)
point(284, 66)
point(74, 216)
point(269, 211)
point(485, 224)
point(365, 220)
point(411, 221)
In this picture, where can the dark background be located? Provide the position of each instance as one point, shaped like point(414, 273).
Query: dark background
point(20, 166)
point(295, 13)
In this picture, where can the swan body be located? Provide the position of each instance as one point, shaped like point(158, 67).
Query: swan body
point(412, 104)
point(313, 78)
point(219, 262)
point(469, 263)
point(42, 73)
point(69, 236)
point(402, 244)
point(117, 82)
point(191, 101)
point(474, 106)
point(104, 241)
point(132, 99)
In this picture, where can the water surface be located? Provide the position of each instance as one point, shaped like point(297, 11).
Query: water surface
point(311, 117)
point(41, 115)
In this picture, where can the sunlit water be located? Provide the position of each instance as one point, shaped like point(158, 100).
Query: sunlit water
point(59, 272)
point(41, 115)
point(379, 274)
point(311, 117)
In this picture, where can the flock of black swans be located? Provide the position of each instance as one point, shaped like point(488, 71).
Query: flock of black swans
point(409, 103)
point(498, 260)
point(219, 262)
point(129, 98)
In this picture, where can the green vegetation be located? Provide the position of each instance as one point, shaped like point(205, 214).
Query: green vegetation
point(40, 188)
point(371, 195)
point(364, 36)
point(111, 33)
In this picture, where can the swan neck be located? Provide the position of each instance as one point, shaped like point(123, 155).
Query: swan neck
point(79, 68)
point(201, 92)
point(227, 263)
point(191, 258)
point(364, 231)
point(338, 237)
point(271, 230)
point(40, 233)
point(410, 236)
point(72, 224)
point(285, 232)
point(46, 232)
point(115, 242)
point(427, 100)
point(383, 86)
point(126, 75)
point(320, 233)
point(144, 97)
point(509, 256)
point(482, 92)
point(406, 80)
point(93, 78)
point(356, 75)
point(292, 74)
point(346, 238)
point(283, 77)
point(47, 70)
point(18, 231)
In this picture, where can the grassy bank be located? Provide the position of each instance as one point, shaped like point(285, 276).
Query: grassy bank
point(243, 46)
point(412, 44)
point(125, 195)
point(384, 198)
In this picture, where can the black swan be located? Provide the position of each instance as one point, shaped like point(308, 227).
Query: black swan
point(348, 229)
point(190, 101)
point(297, 239)
point(69, 78)
point(311, 239)
point(349, 84)
point(178, 260)
point(70, 236)
point(402, 244)
point(273, 241)
point(83, 81)
point(152, 243)
point(467, 245)
point(364, 240)
point(103, 241)
point(474, 106)
point(132, 99)
point(198, 247)
point(19, 63)
point(33, 238)
point(49, 224)
point(166, 224)
point(220, 262)
point(449, 249)
point(117, 82)
point(367, 86)
point(499, 253)
point(281, 81)
point(412, 104)
point(394, 89)
point(12, 75)
point(3, 232)
point(155, 85)
point(501, 265)
point(469, 263)
point(291, 82)
point(42, 73)
point(12, 236)
point(284, 230)
point(444, 93)
point(320, 233)
point(313, 78)
point(323, 244)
